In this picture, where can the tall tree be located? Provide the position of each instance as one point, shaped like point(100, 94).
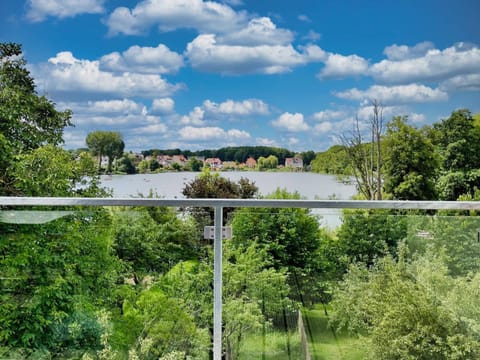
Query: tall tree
point(366, 157)
point(105, 143)
point(410, 162)
point(27, 120)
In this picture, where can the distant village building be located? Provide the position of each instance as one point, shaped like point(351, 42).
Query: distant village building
point(179, 159)
point(214, 163)
point(251, 162)
point(295, 163)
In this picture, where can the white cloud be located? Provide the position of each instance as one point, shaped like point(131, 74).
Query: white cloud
point(112, 106)
point(239, 108)
point(470, 82)
point(291, 122)
point(148, 60)
point(312, 36)
point(259, 31)
point(323, 127)
point(66, 74)
point(435, 65)
point(204, 16)
point(195, 117)
point(395, 94)
point(163, 105)
point(403, 52)
point(293, 141)
point(338, 66)
point(206, 55)
point(157, 128)
point(39, 10)
point(304, 18)
point(329, 115)
point(416, 118)
point(211, 133)
point(265, 142)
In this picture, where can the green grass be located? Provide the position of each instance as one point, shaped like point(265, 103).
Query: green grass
point(324, 345)
point(275, 346)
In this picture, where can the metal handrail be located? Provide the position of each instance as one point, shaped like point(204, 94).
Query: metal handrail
point(264, 203)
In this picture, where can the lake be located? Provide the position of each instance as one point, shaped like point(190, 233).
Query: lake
point(170, 184)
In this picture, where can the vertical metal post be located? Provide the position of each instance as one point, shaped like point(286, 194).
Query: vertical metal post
point(217, 284)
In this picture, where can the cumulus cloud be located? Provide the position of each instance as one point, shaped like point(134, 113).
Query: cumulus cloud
point(470, 82)
point(205, 54)
point(204, 16)
point(259, 31)
point(64, 74)
point(403, 52)
point(405, 65)
point(240, 108)
point(291, 122)
point(195, 117)
point(39, 10)
point(329, 115)
point(312, 36)
point(323, 127)
point(163, 105)
point(265, 142)
point(211, 133)
point(395, 94)
point(158, 128)
point(117, 106)
point(148, 60)
point(338, 66)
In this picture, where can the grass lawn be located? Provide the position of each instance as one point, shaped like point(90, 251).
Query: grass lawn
point(276, 346)
point(323, 345)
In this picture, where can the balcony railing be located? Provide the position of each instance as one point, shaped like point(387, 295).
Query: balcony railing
point(445, 225)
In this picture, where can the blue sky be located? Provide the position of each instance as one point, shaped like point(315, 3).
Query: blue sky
point(199, 74)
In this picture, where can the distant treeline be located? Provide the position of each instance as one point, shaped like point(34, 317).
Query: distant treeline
point(236, 153)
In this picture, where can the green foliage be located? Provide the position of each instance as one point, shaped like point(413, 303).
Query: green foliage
point(271, 162)
point(333, 161)
point(152, 240)
point(291, 238)
point(458, 140)
point(53, 277)
point(158, 326)
point(410, 162)
point(52, 171)
point(194, 164)
point(105, 143)
point(451, 185)
point(407, 310)
point(210, 185)
point(126, 164)
point(457, 236)
point(27, 121)
point(367, 235)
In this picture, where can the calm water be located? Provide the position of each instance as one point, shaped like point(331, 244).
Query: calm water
point(169, 185)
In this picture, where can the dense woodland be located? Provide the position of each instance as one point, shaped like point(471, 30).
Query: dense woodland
point(135, 283)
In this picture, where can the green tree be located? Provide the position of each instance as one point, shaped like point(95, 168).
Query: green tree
point(291, 238)
point(194, 164)
point(212, 185)
point(367, 235)
point(270, 162)
point(126, 164)
point(52, 171)
point(410, 164)
point(152, 240)
point(407, 309)
point(27, 120)
point(55, 276)
point(105, 143)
